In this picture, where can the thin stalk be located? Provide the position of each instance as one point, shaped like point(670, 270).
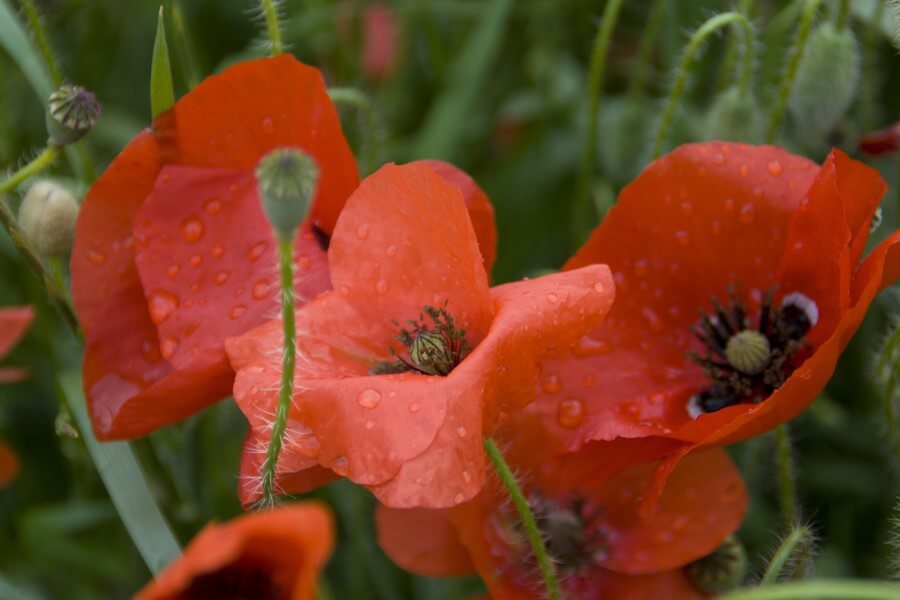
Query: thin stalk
point(655, 19)
point(825, 589)
point(810, 7)
point(797, 537)
point(40, 39)
point(842, 14)
point(361, 102)
point(289, 359)
point(183, 45)
point(704, 31)
point(273, 27)
point(534, 535)
point(40, 162)
point(585, 208)
point(731, 51)
point(787, 487)
point(871, 79)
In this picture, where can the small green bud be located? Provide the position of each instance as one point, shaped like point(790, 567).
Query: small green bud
point(748, 351)
point(734, 117)
point(287, 179)
point(827, 78)
point(72, 111)
point(722, 570)
point(47, 216)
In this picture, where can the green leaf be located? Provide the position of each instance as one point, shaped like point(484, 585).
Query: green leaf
point(162, 93)
point(125, 482)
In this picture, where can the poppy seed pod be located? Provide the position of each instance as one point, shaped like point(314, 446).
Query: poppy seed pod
point(71, 112)
point(826, 79)
point(734, 117)
point(722, 570)
point(47, 215)
point(287, 179)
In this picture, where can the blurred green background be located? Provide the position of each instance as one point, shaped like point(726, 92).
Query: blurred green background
point(500, 88)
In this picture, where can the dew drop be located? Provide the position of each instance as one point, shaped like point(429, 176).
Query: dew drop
point(256, 250)
point(196, 260)
point(682, 237)
point(267, 125)
point(213, 206)
point(150, 350)
point(599, 288)
point(237, 311)
point(370, 425)
point(718, 159)
point(381, 286)
point(95, 257)
point(162, 304)
point(172, 271)
point(192, 229)
point(744, 170)
point(551, 384)
point(303, 263)
point(589, 381)
point(341, 466)
point(369, 398)
point(168, 347)
point(362, 232)
point(570, 413)
point(641, 267)
point(653, 321)
point(552, 298)
point(461, 432)
point(261, 289)
point(218, 251)
point(747, 214)
point(459, 498)
point(467, 477)
point(588, 346)
point(222, 277)
point(344, 290)
point(391, 250)
point(775, 167)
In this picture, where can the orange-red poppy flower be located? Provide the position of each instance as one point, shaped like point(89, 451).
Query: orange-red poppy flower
point(777, 240)
point(13, 324)
point(403, 368)
point(601, 546)
point(173, 253)
point(9, 465)
point(881, 141)
point(274, 554)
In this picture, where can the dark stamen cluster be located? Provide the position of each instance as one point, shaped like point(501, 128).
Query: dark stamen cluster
point(433, 349)
point(573, 540)
point(748, 359)
point(235, 582)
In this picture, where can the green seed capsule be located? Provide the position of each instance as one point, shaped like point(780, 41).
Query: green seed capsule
point(734, 117)
point(47, 216)
point(71, 112)
point(287, 179)
point(722, 570)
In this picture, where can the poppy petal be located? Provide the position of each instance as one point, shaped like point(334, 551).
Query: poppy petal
point(9, 465)
point(481, 211)
point(423, 541)
point(14, 322)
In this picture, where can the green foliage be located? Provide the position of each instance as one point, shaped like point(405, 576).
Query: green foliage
point(162, 92)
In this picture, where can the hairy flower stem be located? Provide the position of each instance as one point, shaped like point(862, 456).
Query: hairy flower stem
point(273, 27)
point(585, 213)
point(289, 360)
point(528, 521)
point(40, 39)
point(687, 60)
point(787, 489)
point(810, 7)
point(55, 291)
point(797, 538)
point(825, 589)
point(726, 68)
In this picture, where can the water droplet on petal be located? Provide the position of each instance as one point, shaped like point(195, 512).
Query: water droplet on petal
point(598, 287)
point(192, 229)
point(369, 398)
point(641, 267)
point(218, 251)
point(303, 263)
point(775, 167)
point(267, 125)
point(344, 290)
point(381, 286)
point(467, 477)
point(362, 232)
point(172, 271)
point(718, 159)
point(747, 214)
point(461, 432)
point(552, 298)
point(196, 260)
point(653, 321)
point(682, 237)
point(744, 170)
point(162, 304)
point(222, 277)
point(570, 413)
point(95, 257)
point(370, 425)
point(551, 384)
point(237, 310)
point(212, 206)
point(168, 347)
point(391, 250)
point(414, 407)
point(589, 381)
point(588, 346)
point(256, 250)
point(341, 466)
point(261, 289)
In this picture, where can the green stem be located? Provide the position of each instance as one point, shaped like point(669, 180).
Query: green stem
point(286, 263)
point(40, 39)
point(871, 78)
point(183, 45)
point(40, 162)
point(127, 487)
point(273, 27)
point(534, 535)
point(810, 7)
point(843, 13)
point(797, 536)
point(585, 208)
point(361, 102)
point(708, 28)
point(825, 589)
point(731, 51)
point(655, 19)
point(787, 490)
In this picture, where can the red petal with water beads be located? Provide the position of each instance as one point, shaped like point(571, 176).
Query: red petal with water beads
point(404, 241)
point(9, 465)
point(226, 124)
point(280, 552)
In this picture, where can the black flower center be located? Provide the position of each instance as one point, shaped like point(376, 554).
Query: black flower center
point(236, 582)
point(431, 349)
point(747, 358)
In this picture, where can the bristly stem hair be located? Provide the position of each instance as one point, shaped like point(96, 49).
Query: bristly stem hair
point(273, 26)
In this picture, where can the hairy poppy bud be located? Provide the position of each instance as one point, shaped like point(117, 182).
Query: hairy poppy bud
point(71, 112)
point(287, 179)
point(47, 216)
point(826, 79)
point(734, 117)
point(722, 570)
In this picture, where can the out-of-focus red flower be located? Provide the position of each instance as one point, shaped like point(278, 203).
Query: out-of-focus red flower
point(775, 233)
point(13, 324)
point(173, 253)
point(275, 554)
point(882, 141)
point(601, 546)
point(404, 412)
point(9, 465)
point(380, 40)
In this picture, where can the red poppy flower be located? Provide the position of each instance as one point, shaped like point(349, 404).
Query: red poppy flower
point(13, 324)
point(380, 39)
point(9, 465)
point(403, 369)
point(275, 554)
point(601, 546)
point(173, 253)
point(882, 141)
point(777, 240)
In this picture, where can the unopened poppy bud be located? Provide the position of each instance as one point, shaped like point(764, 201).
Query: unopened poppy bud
point(287, 179)
point(826, 79)
point(734, 117)
point(722, 570)
point(71, 112)
point(748, 351)
point(47, 216)
point(430, 352)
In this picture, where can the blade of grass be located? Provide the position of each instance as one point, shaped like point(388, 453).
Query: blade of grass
point(162, 93)
point(125, 482)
